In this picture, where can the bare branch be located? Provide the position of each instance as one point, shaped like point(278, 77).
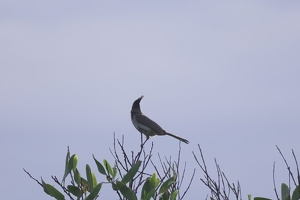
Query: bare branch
point(66, 191)
point(297, 166)
point(274, 182)
point(190, 183)
point(32, 177)
point(288, 167)
point(221, 188)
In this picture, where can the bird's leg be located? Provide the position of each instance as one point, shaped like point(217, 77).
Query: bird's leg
point(143, 143)
point(141, 138)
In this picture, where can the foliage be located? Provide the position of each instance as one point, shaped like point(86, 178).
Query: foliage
point(127, 177)
point(221, 188)
point(286, 189)
point(130, 180)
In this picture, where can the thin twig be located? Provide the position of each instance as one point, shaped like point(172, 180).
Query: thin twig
point(63, 187)
point(190, 183)
point(288, 167)
point(126, 159)
point(32, 177)
point(274, 182)
point(221, 188)
point(297, 166)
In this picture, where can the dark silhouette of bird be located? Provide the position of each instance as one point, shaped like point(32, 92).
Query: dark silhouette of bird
point(147, 126)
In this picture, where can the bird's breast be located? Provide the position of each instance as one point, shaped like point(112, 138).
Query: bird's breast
point(142, 128)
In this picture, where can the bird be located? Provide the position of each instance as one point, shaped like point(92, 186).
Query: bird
point(146, 125)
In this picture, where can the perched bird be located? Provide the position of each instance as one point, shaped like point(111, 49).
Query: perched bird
point(147, 126)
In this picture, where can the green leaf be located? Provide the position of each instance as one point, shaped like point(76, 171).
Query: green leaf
point(95, 192)
point(74, 160)
point(149, 187)
point(131, 173)
point(70, 165)
point(166, 185)
point(164, 196)
point(66, 166)
point(147, 191)
point(77, 176)
point(154, 180)
point(126, 191)
point(100, 166)
point(89, 177)
point(107, 167)
point(285, 192)
point(52, 191)
point(84, 182)
point(174, 195)
point(115, 170)
point(261, 198)
point(45, 189)
point(74, 190)
point(94, 179)
point(296, 193)
point(114, 186)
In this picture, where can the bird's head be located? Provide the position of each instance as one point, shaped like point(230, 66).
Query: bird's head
point(136, 105)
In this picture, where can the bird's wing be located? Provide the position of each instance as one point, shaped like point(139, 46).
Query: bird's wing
point(146, 121)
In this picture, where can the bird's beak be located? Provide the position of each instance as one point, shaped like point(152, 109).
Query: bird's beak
point(139, 99)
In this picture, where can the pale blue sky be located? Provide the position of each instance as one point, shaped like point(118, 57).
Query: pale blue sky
point(224, 75)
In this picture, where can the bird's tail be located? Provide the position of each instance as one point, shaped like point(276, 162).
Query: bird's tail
point(178, 138)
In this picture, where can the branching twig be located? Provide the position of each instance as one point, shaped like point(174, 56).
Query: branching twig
point(288, 167)
point(291, 176)
point(189, 185)
point(62, 187)
point(221, 188)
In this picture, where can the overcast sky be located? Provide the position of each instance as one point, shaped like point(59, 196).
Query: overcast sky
point(224, 75)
